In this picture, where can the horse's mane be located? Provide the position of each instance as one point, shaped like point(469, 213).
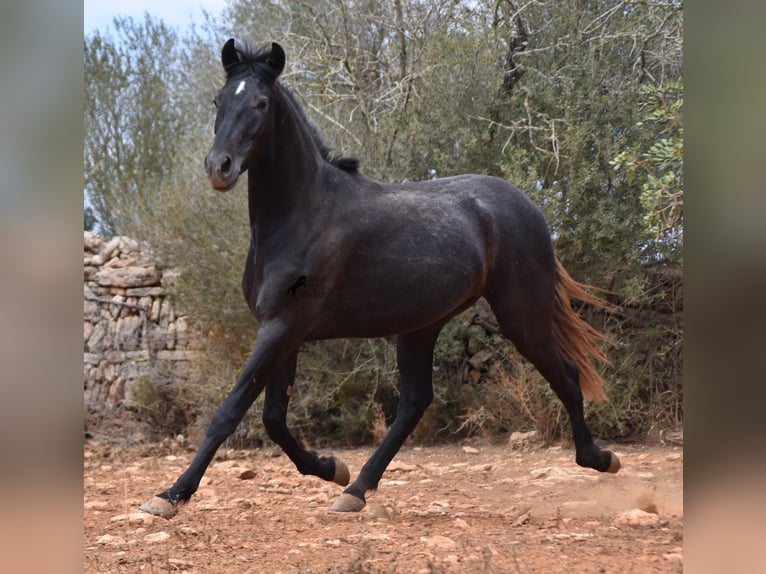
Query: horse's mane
point(254, 58)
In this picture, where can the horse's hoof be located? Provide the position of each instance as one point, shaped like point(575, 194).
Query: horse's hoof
point(342, 474)
point(347, 503)
point(615, 465)
point(161, 507)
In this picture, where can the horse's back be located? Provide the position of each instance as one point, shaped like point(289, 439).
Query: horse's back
point(508, 217)
point(516, 239)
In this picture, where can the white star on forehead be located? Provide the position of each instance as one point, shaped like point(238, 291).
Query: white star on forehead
point(240, 88)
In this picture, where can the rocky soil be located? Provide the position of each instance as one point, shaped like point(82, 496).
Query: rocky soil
point(448, 509)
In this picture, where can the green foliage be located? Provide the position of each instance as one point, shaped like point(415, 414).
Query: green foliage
point(660, 167)
point(133, 114)
point(577, 103)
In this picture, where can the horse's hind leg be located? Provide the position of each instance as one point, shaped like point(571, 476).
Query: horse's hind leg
point(414, 354)
point(278, 394)
point(530, 330)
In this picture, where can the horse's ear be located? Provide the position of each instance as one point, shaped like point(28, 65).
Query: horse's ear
point(229, 54)
point(276, 59)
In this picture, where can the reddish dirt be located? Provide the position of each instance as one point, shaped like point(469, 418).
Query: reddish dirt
point(437, 510)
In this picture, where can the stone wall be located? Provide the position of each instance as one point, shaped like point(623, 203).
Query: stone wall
point(131, 331)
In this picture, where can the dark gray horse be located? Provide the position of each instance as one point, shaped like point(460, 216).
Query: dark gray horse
point(334, 254)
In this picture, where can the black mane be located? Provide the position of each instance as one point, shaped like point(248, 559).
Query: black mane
point(253, 59)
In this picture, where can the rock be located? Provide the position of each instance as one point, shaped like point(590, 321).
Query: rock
point(377, 510)
point(110, 540)
point(637, 518)
point(131, 276)
point(129, 329)
point(95, 343)
point(438, 542)
point(92, 242)
point(160, 536)
point(400, 466)
point(673, 557)
point(521, 519)
point(675, 438)
point(470, 450)
point(247, 474)
point(523, 440)
point(134, 518)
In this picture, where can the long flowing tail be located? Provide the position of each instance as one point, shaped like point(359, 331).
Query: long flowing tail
point(579, 341)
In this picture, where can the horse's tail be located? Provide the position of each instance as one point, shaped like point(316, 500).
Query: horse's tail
point(578, 341)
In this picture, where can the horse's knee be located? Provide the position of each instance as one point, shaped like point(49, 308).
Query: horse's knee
point(223, 423)
point(415, 403)
point(274, 422)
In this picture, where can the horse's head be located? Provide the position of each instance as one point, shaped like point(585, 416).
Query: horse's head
point(244, 110)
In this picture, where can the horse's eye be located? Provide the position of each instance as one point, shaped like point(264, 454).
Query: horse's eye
point(261, 104)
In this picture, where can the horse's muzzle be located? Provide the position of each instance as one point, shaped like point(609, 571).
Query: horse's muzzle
point(221, 171)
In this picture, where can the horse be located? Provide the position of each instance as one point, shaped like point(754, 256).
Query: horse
point(384, 260)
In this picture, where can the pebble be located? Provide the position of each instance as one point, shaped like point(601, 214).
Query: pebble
point(377, 510)
point(637, 518)
point(110, 540)
point(401, 466)
point(470, 450)
point(134, 517)
point(439, 542)
point(157, 536)
point(673, 557)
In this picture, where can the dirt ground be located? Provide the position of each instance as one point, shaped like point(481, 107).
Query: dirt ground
point(445, 509)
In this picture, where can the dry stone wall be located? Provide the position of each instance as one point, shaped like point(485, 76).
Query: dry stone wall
point(131, 331)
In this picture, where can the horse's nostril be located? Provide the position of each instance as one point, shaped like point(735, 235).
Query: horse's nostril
point(226, 165)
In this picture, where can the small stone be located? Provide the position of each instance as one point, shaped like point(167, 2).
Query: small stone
point(460, 523)
point(522, 519)
point(160, 536)
point(637, 518)
point(673, 557)
point(401, 466)
point(522, 440)
point(438, 542)
point(110, 540)
point(377, 510)
point(134, 518)
point(247, 475)
point(470, 450)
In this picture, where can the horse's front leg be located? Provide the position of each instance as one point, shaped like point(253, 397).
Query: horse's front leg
point(414, 354)
point(274, 345)
point(278, 393)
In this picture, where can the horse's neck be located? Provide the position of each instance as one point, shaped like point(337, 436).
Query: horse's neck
point(283, 181)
